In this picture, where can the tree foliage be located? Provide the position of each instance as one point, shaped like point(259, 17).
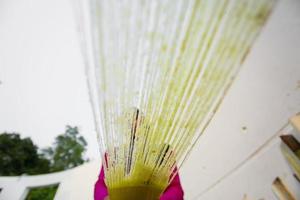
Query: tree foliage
point(42, 193)
point(20, 156)
point(67, 151)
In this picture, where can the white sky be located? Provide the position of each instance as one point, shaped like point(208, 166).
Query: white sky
point(43, 84)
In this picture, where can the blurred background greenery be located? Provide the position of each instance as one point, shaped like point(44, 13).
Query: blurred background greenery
point(20, 156)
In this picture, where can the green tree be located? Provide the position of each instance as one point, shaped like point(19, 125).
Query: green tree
point(42, 193)
point(20, 156)
point(68, 150)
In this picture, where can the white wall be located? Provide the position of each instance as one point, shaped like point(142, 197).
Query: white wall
point(262, 98)
point(76, 184)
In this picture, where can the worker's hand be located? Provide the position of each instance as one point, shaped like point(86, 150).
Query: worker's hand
point(106, 198)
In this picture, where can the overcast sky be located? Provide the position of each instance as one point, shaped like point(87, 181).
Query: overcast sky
point(42, 86)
